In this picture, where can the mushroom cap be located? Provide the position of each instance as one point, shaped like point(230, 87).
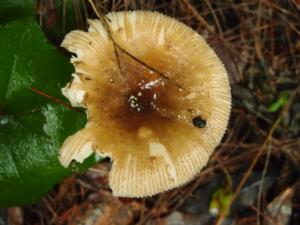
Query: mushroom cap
point(157, 98)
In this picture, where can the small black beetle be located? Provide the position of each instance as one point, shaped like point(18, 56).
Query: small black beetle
point(199, 122)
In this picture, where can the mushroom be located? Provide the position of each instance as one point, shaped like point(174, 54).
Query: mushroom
point(157, 100)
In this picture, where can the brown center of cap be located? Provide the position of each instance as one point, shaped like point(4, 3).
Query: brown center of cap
point(147, 95)
point(146, 101)
point(138, 97)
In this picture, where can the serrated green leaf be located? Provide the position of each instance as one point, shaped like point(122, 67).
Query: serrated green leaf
point(32, 127)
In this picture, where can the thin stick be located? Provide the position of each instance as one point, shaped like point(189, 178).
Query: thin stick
point(260, 152)
point(103, 19)
point(261, 186)
point(57, 100)
point(63, 17)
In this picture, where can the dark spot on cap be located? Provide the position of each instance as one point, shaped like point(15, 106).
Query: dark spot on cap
point(199, 122)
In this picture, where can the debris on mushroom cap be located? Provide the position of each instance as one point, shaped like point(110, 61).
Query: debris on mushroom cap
point(157, 98)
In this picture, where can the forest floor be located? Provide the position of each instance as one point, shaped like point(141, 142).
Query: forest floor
point(254, 175)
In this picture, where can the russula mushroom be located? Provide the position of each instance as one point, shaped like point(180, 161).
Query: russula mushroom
point(157, 100)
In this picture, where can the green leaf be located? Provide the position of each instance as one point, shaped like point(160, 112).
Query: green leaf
point(32, 127)
point(28, 152)
point(15, 9)
point(280, 102)
point(28, 60)
point(220, 201)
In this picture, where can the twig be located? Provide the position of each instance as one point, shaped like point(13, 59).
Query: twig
point(205, 24)
point(57, 100)
point(50, 208)
point(104, 19)
point(283, 112)
point(215, 18)
point(258, 155)
point(262, 183)
point(63, 31)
